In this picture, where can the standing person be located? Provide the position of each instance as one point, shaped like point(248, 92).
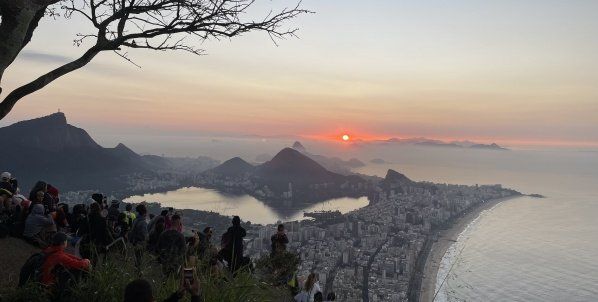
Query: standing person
point(168, 218)
point(154, 235)
point(279, 241)
point(99, 233)
point(153, 221)
point(130, 214)
point(113, 213)
point(139, 235)
point(78, 218)
point(39, 227)
point(171, 248)
point(176, 223)
point(232, 242)
point(205, 243)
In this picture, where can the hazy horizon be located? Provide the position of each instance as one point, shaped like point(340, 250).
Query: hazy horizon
point(513, 72)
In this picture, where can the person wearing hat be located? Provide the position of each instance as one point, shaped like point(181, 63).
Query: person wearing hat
point(56, 256)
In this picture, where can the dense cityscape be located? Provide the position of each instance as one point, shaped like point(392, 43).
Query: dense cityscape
point(371, 255)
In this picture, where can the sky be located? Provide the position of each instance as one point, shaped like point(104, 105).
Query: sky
point(513, 72)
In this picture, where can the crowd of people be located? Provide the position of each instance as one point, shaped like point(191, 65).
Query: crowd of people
point(92, 228)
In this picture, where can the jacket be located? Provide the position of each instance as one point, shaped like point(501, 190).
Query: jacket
point(55, 255)
point(138, 232)
point(36, 221)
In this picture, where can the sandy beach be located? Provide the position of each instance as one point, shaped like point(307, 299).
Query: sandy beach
point(445, 239)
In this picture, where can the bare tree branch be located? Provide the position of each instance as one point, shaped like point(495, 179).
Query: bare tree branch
point(161, 25)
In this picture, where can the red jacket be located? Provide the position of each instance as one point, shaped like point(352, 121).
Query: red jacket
point(57, 256)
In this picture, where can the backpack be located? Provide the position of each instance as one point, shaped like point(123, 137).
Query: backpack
point(32, 269)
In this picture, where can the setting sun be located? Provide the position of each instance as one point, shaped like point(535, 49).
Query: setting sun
point(346, 137)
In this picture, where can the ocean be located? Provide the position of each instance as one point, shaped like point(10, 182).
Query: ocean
point(523, 249)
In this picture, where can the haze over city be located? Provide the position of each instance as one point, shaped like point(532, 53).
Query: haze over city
point(519, 73)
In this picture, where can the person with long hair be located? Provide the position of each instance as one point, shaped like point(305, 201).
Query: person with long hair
point(310, 288)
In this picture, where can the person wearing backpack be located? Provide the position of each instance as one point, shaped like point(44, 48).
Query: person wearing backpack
point(232, 245)
point(56, 257)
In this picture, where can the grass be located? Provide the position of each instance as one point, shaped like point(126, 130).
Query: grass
point(107, 280)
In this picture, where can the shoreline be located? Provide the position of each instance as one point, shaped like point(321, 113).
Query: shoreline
point(445, 238)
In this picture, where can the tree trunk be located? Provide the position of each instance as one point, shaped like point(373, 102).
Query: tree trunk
point(39, 83)
point(19, 20)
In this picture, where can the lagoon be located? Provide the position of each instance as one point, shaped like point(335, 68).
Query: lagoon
point(245, 206)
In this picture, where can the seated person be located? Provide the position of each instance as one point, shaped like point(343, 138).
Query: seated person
point(39, 227)
point(56, 256)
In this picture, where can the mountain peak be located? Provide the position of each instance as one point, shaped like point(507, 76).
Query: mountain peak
point(392, 175)
point(290, 165)
point(122, 146)
point(125, 152)
point(50, 133)
point(298, 146)
point(52, 120)
point(233, 167)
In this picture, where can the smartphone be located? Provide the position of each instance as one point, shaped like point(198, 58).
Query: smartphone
point(188, 275)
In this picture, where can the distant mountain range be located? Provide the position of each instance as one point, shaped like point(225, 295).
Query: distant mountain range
point(422, 141)
point(50, 149)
